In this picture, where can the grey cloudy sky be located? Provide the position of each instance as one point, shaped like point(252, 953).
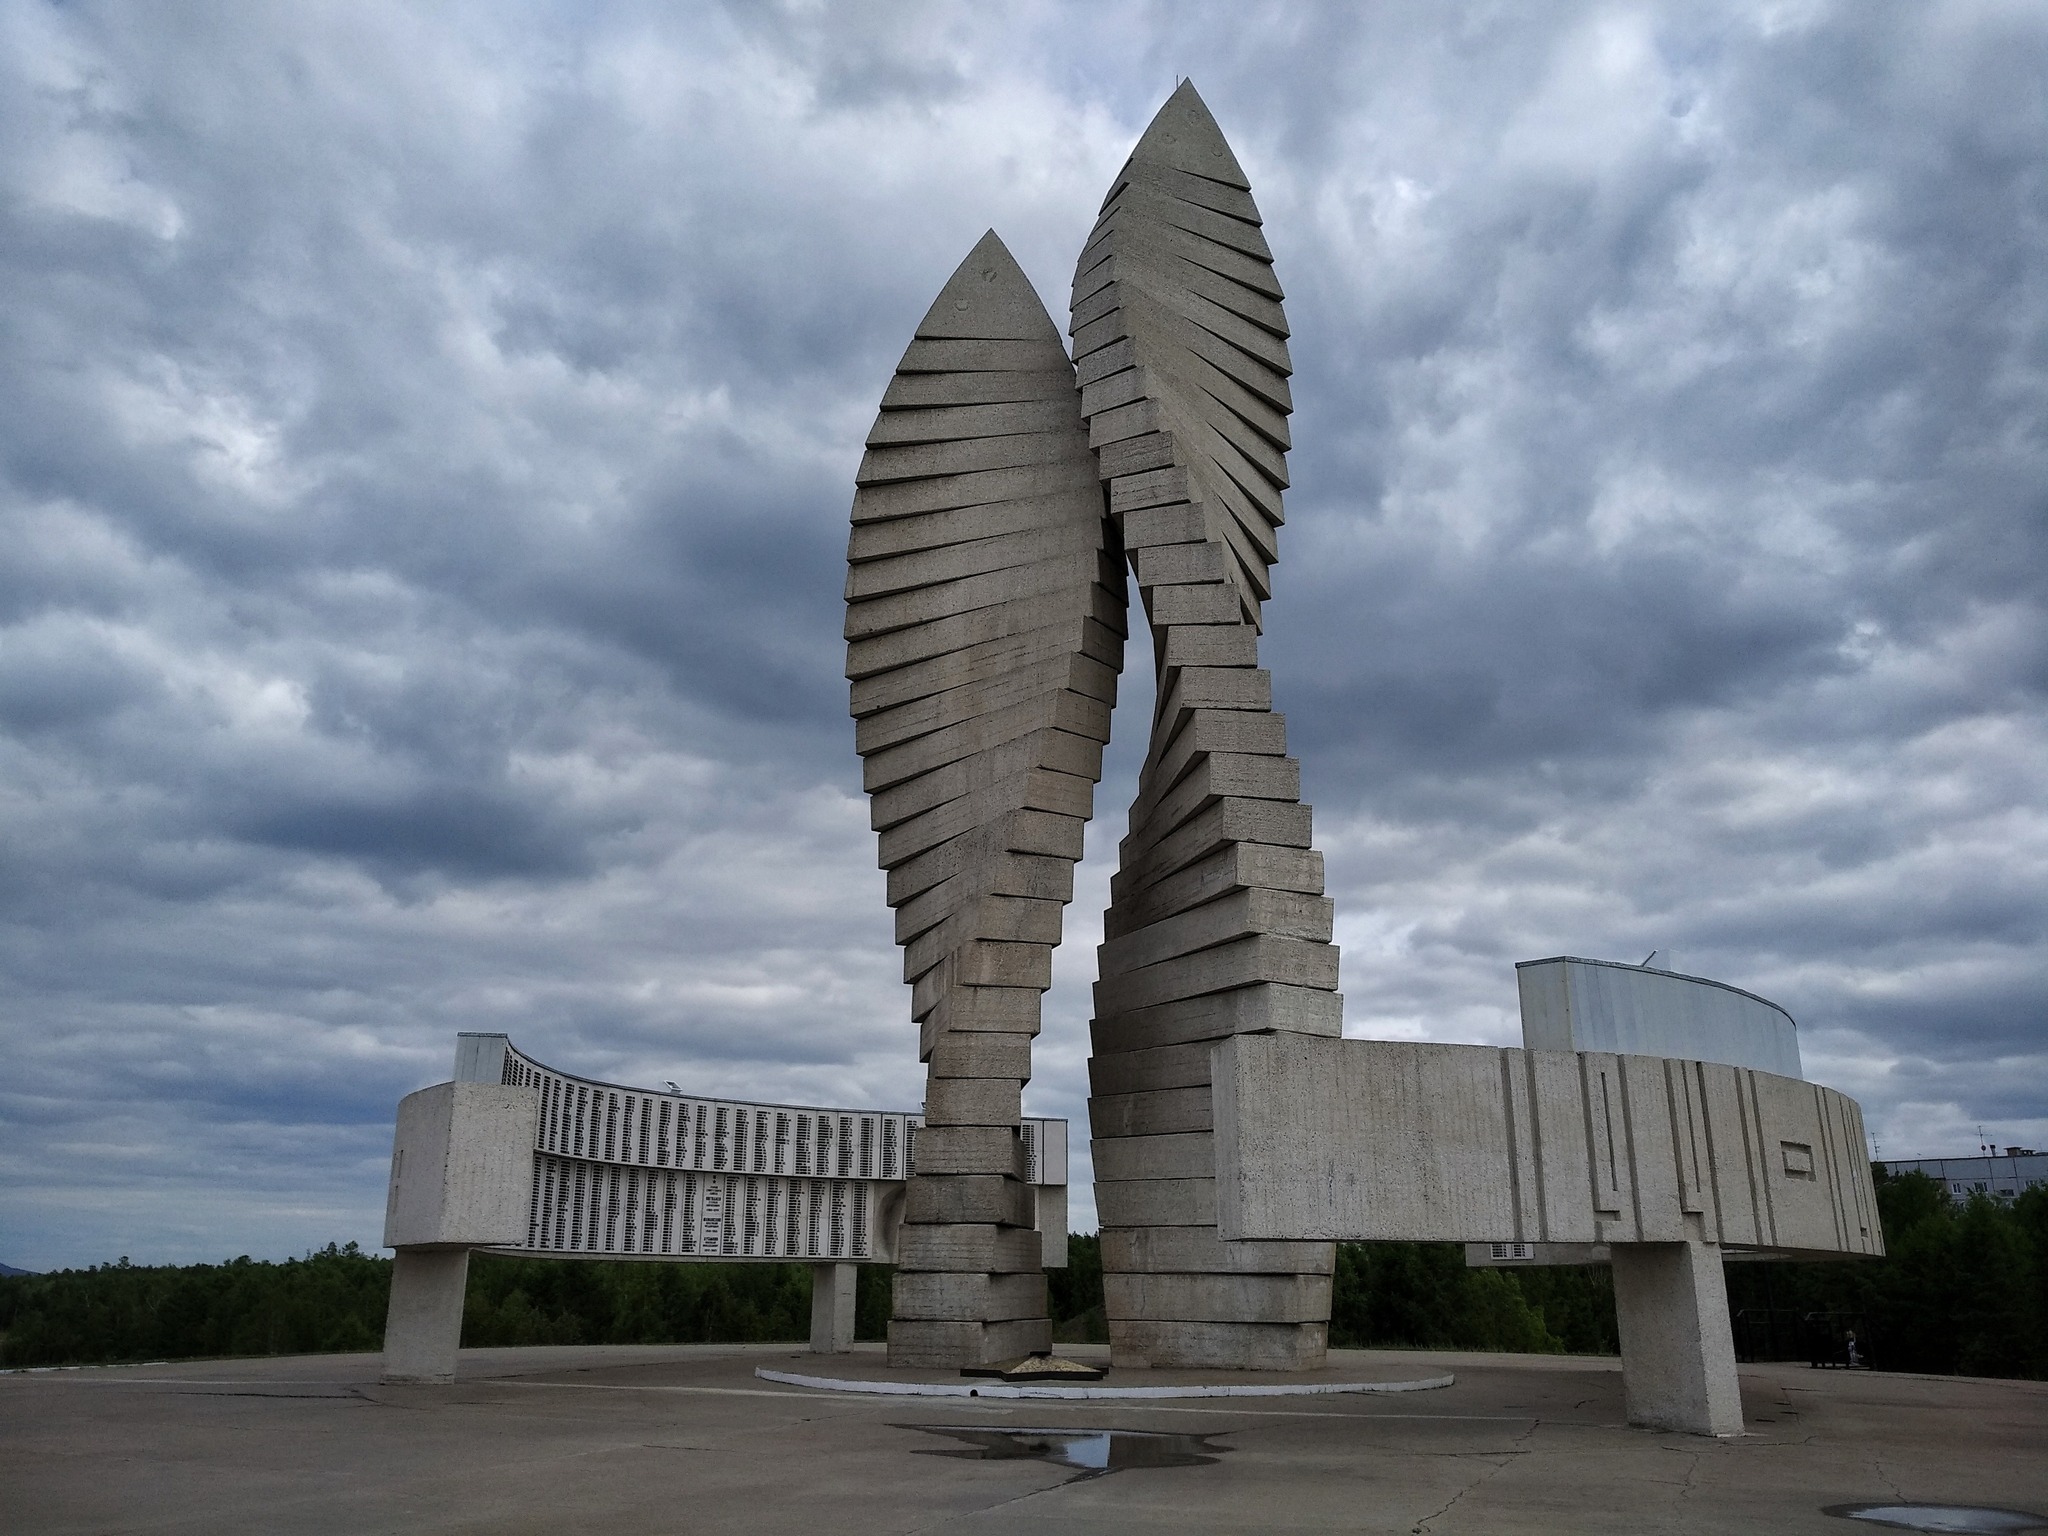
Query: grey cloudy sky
point(426, 435)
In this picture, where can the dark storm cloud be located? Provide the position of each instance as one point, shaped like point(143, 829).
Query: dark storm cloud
point(425, 440)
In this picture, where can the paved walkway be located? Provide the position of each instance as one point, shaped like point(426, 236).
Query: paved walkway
point(687, 1440)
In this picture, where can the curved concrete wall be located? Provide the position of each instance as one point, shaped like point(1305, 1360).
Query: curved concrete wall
point(1569, 1004)
point(1400, 1141)
point(624, 1172)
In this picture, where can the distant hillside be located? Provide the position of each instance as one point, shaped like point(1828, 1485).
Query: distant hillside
point(9, 1269)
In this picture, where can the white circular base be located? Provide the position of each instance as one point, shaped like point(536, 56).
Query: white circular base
point(1042, 1389)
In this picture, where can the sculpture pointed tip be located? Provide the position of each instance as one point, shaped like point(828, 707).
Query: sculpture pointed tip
point(988, 297)
point(990, 247)
point(1183, 134)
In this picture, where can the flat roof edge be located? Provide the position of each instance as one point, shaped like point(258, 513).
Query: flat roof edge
point(719, 1098)
point(1649, 970)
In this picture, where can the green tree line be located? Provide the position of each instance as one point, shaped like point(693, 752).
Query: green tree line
point(332, 1300)
point(1964, 1289)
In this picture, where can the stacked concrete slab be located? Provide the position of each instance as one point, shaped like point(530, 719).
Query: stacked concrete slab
point(1218, 924)
point(985, 625)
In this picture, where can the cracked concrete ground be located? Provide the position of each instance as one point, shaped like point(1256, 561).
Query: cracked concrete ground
point(688, 1440)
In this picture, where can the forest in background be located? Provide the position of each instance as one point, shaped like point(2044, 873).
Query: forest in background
point(1963, 1289)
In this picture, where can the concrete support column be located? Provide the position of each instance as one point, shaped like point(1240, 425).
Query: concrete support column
point(423, 1324)
point(970, 1287)
point(1677, 1348)
point(832, 1296)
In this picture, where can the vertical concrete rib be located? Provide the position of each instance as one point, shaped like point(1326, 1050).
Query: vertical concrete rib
point(985, 626)
point(1217, 922)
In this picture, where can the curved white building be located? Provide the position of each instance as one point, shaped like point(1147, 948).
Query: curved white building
point(1570, 1004)
point(625, 1173)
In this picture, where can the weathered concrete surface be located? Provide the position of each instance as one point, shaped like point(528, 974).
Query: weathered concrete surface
point(423, 1319)
point(461, 1165)
point(647, 1440)
point(1217, 918)
point(1677, 1350)
point(833, 1287)
point(984, 628)
point(461, 1177)
point(1401, 1141)
point(1398, 1141)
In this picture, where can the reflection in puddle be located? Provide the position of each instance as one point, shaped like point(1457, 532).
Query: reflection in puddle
point(1958, 1518)
point(1093, 1451)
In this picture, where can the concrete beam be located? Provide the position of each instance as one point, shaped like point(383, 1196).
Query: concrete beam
point(462, 1166)
point(1394, 1141)
point(1662, 1160)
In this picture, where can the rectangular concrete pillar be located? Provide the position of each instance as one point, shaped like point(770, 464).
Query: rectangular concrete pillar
point(1677, 1347)
point(423, 1324)
point(832, 1296)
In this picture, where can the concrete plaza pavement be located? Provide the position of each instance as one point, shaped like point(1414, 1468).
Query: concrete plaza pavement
point(687, 1439)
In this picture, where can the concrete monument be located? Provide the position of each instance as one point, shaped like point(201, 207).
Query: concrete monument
point(1652, 1121)
point(986, 599)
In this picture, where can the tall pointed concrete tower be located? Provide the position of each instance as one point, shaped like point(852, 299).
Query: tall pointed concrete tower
point(1217, 922)
point(985, 625)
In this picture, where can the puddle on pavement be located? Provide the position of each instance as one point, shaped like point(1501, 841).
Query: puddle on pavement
point(1091, 1451)
point(1961, 1519)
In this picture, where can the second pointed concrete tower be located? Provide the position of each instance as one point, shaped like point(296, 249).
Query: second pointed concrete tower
point(984, 627)
point(1217, 922)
